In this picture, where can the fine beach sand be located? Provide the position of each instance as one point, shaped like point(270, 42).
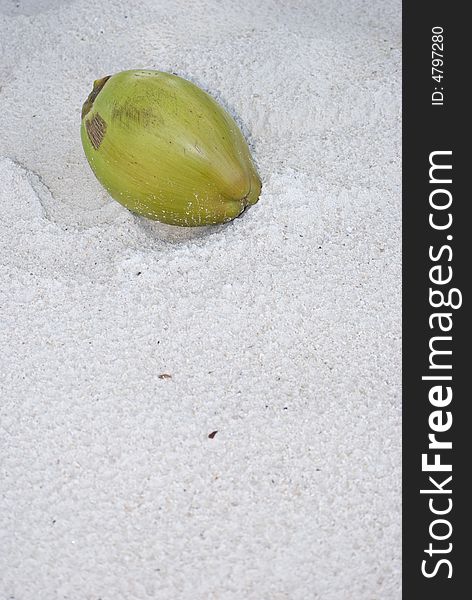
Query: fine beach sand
point(280, 330)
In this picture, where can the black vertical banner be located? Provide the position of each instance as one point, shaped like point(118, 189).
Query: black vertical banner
point(437, 253)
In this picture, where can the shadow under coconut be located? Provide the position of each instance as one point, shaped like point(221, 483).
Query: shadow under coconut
point(175, 234)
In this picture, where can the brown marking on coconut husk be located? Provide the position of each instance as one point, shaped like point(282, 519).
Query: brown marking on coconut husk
point(96, 129)
point(130, 115)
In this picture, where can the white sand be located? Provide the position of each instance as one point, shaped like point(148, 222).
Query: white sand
point(281, 330)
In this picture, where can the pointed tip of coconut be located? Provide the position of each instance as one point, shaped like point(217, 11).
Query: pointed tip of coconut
point(97, 88)
point(254, 191)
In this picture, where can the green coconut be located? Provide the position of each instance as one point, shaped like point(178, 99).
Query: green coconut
point(167, 150)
